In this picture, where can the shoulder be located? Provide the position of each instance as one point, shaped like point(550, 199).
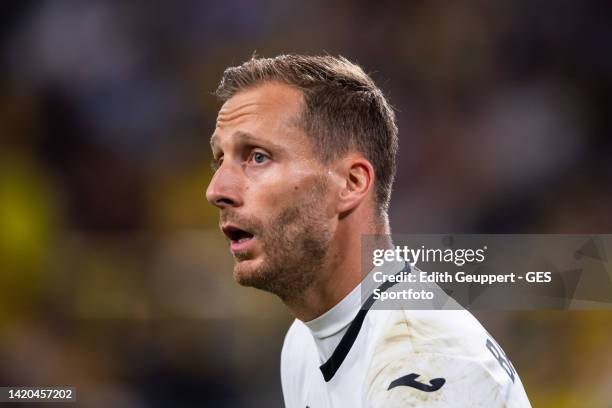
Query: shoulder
point(449, 332)
point(432, 358)
point(296, 356)
point(296, 338)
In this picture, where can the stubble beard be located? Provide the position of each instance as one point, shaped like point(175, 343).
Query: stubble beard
point(295, 245)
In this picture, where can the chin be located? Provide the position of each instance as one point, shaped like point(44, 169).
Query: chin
point(248, 272)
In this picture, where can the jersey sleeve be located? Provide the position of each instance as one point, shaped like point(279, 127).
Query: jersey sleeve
point(435, 380)
point(287, 377)
point(293, 369)
point(440, 359)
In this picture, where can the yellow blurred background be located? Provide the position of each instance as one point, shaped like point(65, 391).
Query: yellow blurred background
point(113, 276)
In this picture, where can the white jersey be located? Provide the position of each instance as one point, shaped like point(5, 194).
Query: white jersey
point(353, 356)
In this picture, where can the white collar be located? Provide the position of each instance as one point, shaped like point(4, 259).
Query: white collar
point(343, 313)
point(338, 317)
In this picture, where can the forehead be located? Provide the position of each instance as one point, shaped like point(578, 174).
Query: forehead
point(271, 104)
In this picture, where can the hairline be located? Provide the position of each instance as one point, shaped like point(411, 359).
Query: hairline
point(312, 129)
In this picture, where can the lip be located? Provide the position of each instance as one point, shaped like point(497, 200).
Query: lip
point(237, 245)
point(242, 246)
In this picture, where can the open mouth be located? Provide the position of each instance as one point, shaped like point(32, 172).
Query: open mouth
point(236, 235)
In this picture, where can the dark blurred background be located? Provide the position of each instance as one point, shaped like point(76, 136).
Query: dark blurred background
point(113, 276)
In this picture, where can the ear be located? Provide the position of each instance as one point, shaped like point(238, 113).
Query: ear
point(357, 178)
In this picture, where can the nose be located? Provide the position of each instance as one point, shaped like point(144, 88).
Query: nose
point(224, 188)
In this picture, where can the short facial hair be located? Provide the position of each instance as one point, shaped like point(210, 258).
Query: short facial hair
point(295, 244)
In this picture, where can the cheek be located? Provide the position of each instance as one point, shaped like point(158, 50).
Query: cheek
point(267, 199)
point(288, 187)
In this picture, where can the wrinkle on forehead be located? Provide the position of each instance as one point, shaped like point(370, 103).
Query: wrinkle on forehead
point(227, 113)
point(273, 108)
point(285, 100)
point(224, 120)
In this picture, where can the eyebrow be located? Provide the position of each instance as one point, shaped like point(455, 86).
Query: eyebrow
point(213, 140)
point(246, 137)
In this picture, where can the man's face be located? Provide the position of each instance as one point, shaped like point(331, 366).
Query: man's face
point(272, 192)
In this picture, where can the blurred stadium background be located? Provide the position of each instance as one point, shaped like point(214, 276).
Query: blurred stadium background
point(113, 277)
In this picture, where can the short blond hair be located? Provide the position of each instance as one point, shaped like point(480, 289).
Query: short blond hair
point(344, 109)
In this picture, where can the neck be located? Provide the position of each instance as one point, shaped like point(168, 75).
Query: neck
point(342, 269)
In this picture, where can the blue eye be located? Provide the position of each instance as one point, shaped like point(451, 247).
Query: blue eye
point(259, 157)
